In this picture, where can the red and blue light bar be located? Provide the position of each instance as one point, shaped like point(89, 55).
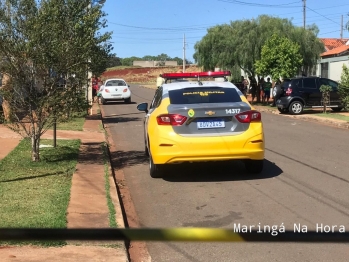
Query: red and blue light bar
point(195, 74)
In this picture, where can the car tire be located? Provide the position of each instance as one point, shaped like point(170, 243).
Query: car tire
point(283, 110)
point(156, 171)
point(103, 101)
point(254, 166)
point(296, 108)
point(146, 152)
point(337, 109)
point(128, 100)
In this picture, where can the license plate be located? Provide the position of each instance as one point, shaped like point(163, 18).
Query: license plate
point(210, 124)
point(115, 95)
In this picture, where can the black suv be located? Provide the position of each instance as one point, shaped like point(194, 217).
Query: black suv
point(295, 94)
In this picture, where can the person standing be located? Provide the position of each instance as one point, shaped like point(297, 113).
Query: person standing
point(244, 85)
point(95, 88)
point(266, 89)
point(159, 81)
point(253, 88)
point(261, 90)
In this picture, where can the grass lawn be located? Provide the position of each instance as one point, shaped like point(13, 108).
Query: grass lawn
point(76, 123)
point(37, 194)
point(334, 116)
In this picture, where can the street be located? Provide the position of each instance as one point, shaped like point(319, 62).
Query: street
point(304, 183)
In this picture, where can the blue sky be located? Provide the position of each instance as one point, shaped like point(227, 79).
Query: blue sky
point(152, 27)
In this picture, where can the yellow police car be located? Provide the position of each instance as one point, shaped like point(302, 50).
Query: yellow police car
point(193, 121)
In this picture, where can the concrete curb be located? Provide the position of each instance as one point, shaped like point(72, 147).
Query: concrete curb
point(318, 119)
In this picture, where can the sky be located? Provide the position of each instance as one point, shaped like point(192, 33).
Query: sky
point(152, 27)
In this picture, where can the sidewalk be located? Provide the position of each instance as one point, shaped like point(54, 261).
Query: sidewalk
point(88, 204)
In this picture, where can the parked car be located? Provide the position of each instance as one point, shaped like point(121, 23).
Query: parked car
point(295, 94)
point(115, 90)
point(201, 121)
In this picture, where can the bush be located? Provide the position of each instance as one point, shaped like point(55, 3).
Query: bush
point(344, 86)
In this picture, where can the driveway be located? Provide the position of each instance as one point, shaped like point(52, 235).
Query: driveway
point(305, 183)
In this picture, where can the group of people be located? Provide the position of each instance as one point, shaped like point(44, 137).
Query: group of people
point(259, 91)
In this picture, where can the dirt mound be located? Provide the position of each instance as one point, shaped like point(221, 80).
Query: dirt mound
point(144, 74)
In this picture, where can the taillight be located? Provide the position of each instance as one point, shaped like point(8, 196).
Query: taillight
point(249, 116)
point(289, 91)
point(106, 90)
point(171, 119)
point(125, 90)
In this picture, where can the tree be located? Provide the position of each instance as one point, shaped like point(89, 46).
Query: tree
point(43, 42)
point(279, 58)
point(325, 97)
point(344, 86)
point(113, 61)
point(240, 43)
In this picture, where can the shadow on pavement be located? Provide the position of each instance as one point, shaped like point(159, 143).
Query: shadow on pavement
point(119, 103)
point(220, 171)
point(121, 159)
point(113, 120)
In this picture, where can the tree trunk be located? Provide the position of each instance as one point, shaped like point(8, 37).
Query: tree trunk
point(7, 110)
point(35, 147)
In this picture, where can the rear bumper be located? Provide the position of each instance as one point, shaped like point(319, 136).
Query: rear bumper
point(282, 102)
point(122, 96)
point(176, 149)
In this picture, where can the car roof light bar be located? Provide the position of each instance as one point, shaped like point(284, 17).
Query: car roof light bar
point(195, 74)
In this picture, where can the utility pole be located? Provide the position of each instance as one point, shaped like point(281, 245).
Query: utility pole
point(184, 53)
point(304, 12)
point(342, 28)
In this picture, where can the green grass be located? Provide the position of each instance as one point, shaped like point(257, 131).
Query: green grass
point(36, 194)
point(334, 116)
point(112, 212)
point(76, 123)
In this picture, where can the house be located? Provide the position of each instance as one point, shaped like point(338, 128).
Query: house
point(332, 60)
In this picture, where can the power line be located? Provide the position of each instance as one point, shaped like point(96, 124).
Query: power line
point(260, 5)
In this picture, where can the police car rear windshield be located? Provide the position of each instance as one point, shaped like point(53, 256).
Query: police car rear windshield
point(199, 95)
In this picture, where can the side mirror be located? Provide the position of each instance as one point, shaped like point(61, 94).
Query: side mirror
point(143, 107)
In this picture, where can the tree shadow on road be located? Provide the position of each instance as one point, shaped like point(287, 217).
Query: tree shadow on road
point(113, 120)
point(219, 171)
point(121, 102)
point(121, 159)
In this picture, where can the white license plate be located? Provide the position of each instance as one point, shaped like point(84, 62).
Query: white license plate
point(115, 95)
point(211, 124)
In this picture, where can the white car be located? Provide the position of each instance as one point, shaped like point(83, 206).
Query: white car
point(114, 90)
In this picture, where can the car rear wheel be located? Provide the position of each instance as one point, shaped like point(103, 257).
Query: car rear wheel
point(283, 110)
point(128, 100)
point(296, 108)
point(156, 171)
point(254, 166)
point(103, 101)
point(146, 152)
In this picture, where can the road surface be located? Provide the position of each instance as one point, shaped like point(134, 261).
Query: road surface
point(305, 183)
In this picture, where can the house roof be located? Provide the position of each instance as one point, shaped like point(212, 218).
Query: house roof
point(331, 43)
point(336, 51)
point(335, 46)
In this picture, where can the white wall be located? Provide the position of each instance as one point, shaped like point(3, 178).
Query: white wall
point(335, 70)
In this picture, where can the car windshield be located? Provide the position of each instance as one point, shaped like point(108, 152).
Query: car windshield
point(204, 95)
point(115, 83)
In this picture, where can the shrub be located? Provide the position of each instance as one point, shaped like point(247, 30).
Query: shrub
point(344, 86)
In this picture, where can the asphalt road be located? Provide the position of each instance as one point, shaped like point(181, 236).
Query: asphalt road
point(305, 182)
